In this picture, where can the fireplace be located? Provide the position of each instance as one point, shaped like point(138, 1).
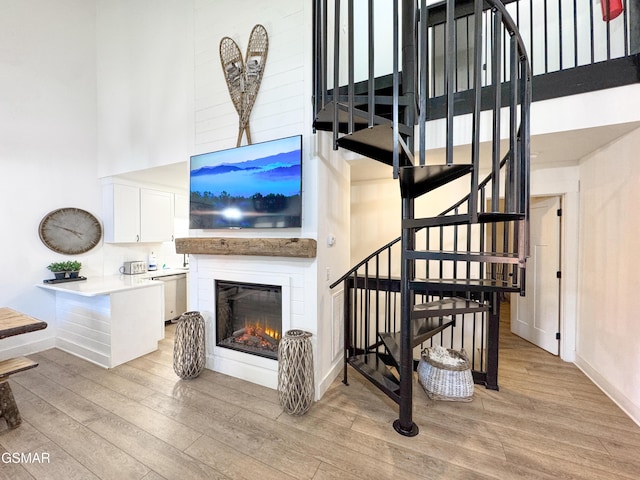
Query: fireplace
point(249, 317)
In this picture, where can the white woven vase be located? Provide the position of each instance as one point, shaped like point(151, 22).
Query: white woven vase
point(189, 346)
point(295, 372)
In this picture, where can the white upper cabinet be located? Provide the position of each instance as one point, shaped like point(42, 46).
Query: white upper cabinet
point(133, 214)
point(181, 206)
point(156, 216)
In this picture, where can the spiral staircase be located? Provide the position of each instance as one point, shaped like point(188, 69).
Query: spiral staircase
point(442, 281)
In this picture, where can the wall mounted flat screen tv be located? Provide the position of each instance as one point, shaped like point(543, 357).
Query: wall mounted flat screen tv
point(253, 186)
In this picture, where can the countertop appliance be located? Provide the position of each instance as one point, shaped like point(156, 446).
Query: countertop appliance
point(133, 268)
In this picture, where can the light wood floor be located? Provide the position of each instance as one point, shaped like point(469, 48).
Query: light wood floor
point(139, 421)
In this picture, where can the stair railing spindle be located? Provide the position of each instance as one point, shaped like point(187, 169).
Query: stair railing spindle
point(545, 24)
point(372, 81)
point(336, 72)
point(483, 202)
point(396, 91)
point(592, 37)
point(625, 21)
point(377, 294)
point(450, 56)
point(356, 316)
point(575, 33)
point(455, 244)
point(350, 60)
point(424, 83)
point(477, 96)
point(513, 126)
point(346, 309)
point(440, 247)
point(608, 30)
point(388, 314)
point(496, 58)
point(317, 92)
point(560, 34)
point(324, 52)
point(367, 309)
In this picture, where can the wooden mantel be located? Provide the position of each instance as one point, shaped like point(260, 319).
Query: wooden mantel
point(269, 247)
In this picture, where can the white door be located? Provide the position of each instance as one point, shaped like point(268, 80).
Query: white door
point(536, 316)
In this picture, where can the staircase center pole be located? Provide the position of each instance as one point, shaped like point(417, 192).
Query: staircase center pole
point(404, 424)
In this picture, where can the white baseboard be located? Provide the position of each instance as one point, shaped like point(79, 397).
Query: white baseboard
point(625, 404)
point(28, 348)
point(328, 379)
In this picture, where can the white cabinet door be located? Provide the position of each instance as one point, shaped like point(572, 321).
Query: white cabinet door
point(181, 209)
point(133, 214)
point(121, 205)
point(156, 216)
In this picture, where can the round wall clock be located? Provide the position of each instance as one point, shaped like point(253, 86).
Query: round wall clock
point(70, 230)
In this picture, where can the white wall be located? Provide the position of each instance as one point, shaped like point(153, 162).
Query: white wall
point(144, 71)
point(47, 143)
point(144, 57)
point(608, 336)
point(58, 116)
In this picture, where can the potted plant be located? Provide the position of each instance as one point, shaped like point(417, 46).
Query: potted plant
point(58, 269)
point(67, 269)
point(73, 267)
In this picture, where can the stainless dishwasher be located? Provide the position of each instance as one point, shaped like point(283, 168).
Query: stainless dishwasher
point(175, 295)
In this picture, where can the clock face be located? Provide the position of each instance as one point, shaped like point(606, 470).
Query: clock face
point(70, 231)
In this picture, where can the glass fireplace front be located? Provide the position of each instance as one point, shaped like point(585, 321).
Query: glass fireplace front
point(249, 317)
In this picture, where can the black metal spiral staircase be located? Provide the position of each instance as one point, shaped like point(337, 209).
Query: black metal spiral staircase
point(453, 267)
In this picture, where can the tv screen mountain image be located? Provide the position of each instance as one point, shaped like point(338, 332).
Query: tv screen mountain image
point(253, 186)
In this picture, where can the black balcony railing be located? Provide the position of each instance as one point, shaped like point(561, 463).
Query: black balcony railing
point(571, 48)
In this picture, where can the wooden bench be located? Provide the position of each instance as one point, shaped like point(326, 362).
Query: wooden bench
point(8, 408)
point(14, 323)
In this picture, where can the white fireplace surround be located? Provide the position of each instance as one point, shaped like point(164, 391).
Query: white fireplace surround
point(253, 368)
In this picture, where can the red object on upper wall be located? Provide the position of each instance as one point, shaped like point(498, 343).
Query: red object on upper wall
point(611, 9)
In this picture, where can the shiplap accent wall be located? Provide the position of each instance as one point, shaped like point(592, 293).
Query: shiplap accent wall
point(279, 108)
point(282, 108)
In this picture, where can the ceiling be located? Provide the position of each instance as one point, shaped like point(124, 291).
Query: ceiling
point(547, 151)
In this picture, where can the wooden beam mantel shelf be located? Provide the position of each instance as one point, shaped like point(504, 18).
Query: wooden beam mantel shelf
point(269, 247)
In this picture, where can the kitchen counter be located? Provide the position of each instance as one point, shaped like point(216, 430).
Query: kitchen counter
point(109, 320)
point(93, 286)
point(106, 285)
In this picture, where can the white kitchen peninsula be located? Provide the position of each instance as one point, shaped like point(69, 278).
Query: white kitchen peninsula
point(109, 320)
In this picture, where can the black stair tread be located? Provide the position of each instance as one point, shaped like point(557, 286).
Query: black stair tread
point(444, 220)
point(462, 285)
point(419, 179)
point(376, 371)
point(493, 257)
point(375, 142)
point(440, 220)
point(446, 307)
point(423, 329)
point(324, 120)
point(490, 217)
point(325, 117)
point(391, 340)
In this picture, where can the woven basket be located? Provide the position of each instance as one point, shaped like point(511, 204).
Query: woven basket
point(446, 382)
